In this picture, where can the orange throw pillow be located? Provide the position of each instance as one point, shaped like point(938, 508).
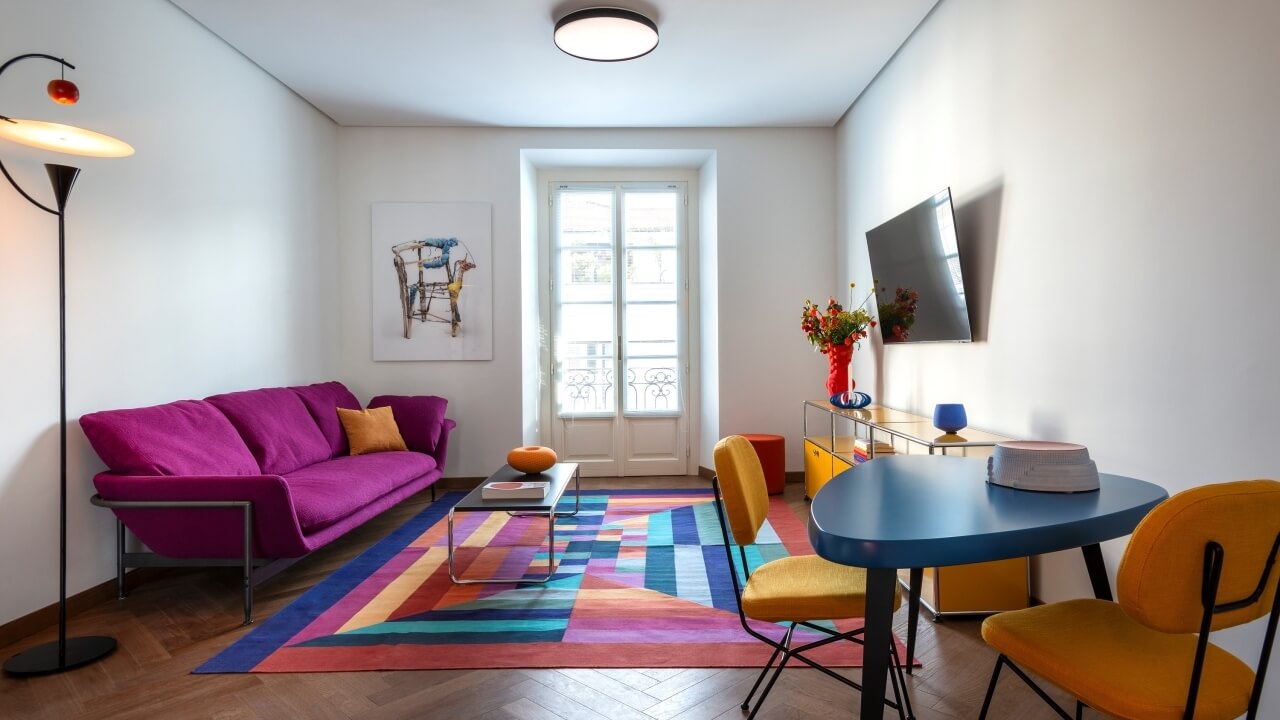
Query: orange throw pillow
point(370, 431)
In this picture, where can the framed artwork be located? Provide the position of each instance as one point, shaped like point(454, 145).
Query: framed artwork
point(432, 281)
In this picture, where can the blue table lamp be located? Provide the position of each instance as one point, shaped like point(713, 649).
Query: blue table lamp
point(949, 417)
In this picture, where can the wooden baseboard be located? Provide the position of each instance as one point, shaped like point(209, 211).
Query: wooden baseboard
point(46, 617)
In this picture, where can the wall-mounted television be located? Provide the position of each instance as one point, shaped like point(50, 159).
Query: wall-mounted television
point(915, 261)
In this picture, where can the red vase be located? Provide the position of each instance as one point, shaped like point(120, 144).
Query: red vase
point(838, 359)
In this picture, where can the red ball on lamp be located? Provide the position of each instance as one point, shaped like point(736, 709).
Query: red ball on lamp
point(63, 91)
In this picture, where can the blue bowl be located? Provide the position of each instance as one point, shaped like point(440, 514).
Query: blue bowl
point(850, 400)
point(949, 417)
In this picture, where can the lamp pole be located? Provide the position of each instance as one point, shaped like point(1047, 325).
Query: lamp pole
point(66, 653)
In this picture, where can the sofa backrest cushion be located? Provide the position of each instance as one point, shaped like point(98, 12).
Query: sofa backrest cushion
point(322, 401)
point(188, 437)
point(276, 427)
point(419, 417)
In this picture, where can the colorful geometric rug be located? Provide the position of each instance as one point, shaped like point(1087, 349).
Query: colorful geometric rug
point(642, 581)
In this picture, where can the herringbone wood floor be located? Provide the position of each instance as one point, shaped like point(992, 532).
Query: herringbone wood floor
point(169, 625)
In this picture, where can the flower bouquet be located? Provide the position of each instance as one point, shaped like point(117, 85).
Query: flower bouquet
point(834, 333)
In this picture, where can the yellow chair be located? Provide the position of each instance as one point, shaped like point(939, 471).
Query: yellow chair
point(1203, 560)
point(800, 590)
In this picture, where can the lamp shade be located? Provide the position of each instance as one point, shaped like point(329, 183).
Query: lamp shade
point(950, 417)
point(606, 34)
point(63, 138)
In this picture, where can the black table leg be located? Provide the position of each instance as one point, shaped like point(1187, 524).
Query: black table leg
point(1097, 571)
point(881, 583)
point(913, 614)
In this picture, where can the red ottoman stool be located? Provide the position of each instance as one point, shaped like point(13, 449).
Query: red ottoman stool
point(772, 451)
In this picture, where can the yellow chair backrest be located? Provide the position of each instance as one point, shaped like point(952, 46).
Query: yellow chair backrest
point(746, 500)
point(1160, 577)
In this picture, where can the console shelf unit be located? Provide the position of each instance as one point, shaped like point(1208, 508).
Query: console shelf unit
point(831, 436)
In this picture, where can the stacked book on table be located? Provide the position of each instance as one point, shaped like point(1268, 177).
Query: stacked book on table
point(862, 449)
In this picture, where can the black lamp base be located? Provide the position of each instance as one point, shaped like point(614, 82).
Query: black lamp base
point(43, 659)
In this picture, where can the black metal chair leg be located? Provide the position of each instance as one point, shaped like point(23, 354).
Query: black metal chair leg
point(1079, 710)
point(746, 703)
point(1038, 690)
point(897, 692)
point(896, 674)
point(433, 493)
point(769, 686)
point(991, 688)
point(785, 649)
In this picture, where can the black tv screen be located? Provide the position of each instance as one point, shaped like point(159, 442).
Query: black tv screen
point(915, 261)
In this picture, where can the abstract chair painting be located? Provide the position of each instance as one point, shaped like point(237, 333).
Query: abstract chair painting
point(432, 281)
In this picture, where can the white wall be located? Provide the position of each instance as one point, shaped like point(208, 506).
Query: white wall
point(776, 220)
point(708, 309)
point(532, 347)
point(203, 263)
point(1115, 167)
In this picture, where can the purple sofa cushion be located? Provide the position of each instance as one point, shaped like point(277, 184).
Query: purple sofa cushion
point(327, 492)
point(419, 417)
point(188, 437)
point(276, 428)
point(322, 401)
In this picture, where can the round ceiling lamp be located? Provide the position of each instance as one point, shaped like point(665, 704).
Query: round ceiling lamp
point(606, 34)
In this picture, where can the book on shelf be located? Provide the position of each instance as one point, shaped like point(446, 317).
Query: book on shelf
point(514, 490)
point(862, 448)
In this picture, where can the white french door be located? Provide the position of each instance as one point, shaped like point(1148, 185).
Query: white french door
point(619, 303)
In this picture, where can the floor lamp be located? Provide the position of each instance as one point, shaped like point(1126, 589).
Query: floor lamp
point(66, 653)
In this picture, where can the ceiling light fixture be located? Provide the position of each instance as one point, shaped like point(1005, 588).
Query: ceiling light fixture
point(606, 34)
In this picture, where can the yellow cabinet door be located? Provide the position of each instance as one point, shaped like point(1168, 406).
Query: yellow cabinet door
point(980, 588)
point(817, 468)
point(839, 465)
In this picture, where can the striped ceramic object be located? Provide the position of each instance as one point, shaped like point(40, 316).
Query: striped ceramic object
point(1043, 466)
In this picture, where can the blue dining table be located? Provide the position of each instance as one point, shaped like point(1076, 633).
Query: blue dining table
point(918, 511)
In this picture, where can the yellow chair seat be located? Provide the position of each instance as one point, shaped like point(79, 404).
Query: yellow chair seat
point(1096, 652)
point(806, 587)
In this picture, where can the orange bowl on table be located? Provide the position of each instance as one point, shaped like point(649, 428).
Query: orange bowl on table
point(531, 459)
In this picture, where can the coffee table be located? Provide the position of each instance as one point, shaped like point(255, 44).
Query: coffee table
point(558, 476)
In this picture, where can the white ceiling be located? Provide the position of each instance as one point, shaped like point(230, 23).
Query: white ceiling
point(719, 63)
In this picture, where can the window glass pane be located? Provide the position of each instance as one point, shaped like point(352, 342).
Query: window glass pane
point(585, 349)
point(651, 275)
point(650, 218)
point(586, 218)
point(582, 325)
point(653, 385)
point(586, 275)
point(585, 385)
point(651, 330)
point(588, 266)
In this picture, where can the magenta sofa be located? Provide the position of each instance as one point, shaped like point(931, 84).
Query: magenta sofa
point(258, 478)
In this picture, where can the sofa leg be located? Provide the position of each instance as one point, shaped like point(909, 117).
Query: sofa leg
point(433, 492)
point(248, 564)
point(119, 559)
